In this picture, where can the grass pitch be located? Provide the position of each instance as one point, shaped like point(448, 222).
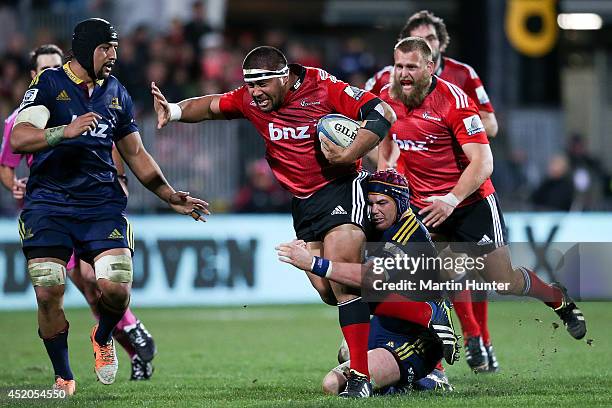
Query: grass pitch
point(276, 356)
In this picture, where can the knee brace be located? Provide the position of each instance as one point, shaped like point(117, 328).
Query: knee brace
point(47, 274)
point(115, 268)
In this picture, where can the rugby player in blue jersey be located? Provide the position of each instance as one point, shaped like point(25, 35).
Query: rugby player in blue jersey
point(407, 338)
point(402, 357)
point(69, 119)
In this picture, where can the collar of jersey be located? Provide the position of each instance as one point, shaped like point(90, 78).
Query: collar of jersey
point(300, 71)
point(406, 213)
point(74, 78)
point(434, 81)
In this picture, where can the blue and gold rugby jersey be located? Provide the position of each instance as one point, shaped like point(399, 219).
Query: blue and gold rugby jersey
point(408, 237)
point(78, 175)
point(408, 229)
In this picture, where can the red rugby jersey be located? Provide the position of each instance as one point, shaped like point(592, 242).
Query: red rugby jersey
point(450, 70)
point(430, 139)
point(292, 145)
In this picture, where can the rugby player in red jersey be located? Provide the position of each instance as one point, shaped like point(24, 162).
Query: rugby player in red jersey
point(432, 29)
point(284, 102)
point(445, 154)
point(473, 317)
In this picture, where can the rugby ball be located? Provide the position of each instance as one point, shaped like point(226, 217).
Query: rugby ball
point(338, 128)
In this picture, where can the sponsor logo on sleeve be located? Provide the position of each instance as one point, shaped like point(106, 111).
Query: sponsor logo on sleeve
point(354, 92)
point(29, 97)
point(482, 95)
point(473, 125)
point(324, 75)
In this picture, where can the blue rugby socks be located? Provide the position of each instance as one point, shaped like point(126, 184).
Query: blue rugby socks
point(109, 317)
point(57, 349)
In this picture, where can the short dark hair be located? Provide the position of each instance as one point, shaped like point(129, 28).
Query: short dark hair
point(265, 57)
point(46, 49)
point(410, 44)
point(426, 17)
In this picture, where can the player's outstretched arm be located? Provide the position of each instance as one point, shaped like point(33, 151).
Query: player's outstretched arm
point(296, 254)
point(150, 175)
point(189, 110)
point(30, 135)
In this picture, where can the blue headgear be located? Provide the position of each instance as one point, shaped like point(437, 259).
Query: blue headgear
point(394, 185)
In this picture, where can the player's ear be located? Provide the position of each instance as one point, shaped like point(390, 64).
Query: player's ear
point(430, 67)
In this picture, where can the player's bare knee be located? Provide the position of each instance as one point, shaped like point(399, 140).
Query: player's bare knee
point(508, 288)
point(328, 299)
point(115, 294)
point(331, 384)
point(325, 292)
point(49, 298)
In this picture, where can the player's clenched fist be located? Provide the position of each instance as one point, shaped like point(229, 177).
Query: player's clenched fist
point(82, 124)
point(332, 152)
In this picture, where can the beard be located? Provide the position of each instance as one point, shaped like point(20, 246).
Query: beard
point(415, 98)
point(102, 74)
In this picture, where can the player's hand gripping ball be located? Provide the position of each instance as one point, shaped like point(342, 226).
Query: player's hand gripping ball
point(338, 128)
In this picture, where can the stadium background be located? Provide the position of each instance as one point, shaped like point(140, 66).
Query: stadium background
point(552, 100)
point(554, 112)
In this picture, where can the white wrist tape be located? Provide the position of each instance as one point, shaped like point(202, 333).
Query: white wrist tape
point(450, 199)
point(175, 112)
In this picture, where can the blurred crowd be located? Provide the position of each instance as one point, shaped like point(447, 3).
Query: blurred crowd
point(188, 58)
point(191, 58)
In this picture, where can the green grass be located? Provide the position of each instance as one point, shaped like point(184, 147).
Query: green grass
point(276, 356)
